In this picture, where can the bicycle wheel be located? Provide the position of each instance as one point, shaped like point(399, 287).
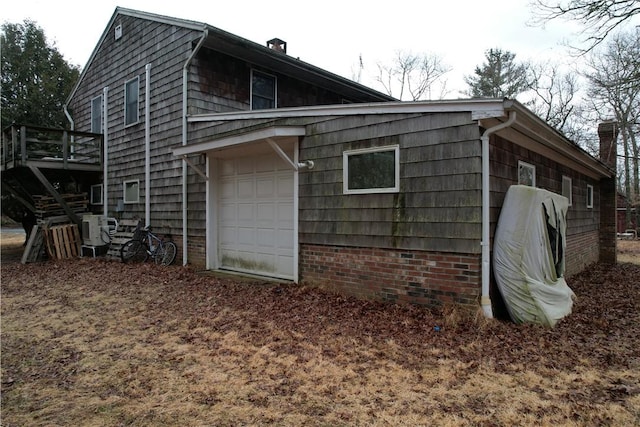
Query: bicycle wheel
point(134, 251)
point(166, 253)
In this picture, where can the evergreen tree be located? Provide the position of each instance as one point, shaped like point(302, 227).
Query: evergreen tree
point(35, 77)
point(499, 77)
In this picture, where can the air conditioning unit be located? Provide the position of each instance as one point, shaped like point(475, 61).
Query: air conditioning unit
point(95, 230)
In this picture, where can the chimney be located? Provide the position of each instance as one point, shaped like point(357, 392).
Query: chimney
point(277, 45)
point(608, 135)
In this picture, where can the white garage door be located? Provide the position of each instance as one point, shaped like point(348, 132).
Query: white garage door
point(256, 216)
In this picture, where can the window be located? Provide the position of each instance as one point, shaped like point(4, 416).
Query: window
point(131, 89)
point(589, 196)
point(371, 170)
point(96, 114)
point(526, 174)
point(263, 91)
point(96, 194)
point(131, 191)
point(566, 189)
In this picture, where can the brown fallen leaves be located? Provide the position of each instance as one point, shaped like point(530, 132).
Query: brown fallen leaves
point(100, 340)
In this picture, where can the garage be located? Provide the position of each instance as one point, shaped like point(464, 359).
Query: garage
point(256, 221)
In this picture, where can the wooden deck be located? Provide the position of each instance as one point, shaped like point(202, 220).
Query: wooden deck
point(47, 148)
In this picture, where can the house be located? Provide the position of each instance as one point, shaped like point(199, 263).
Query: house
point(623, 209)
point(257, 162)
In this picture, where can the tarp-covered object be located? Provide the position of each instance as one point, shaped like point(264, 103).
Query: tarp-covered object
point(528, 255)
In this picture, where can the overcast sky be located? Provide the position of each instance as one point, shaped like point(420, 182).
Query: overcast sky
point(328, 33)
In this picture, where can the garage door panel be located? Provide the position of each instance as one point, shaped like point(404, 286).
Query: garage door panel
point(246, 188)
point(256, 216)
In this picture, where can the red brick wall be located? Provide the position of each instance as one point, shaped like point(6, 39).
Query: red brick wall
point(417, 277)
point(196, 250)
point(582, 251)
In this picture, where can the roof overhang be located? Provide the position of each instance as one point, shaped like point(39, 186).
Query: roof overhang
point(274, 133)
point(528, 130)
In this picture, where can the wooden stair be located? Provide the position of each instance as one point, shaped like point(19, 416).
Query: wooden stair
point(126, 227)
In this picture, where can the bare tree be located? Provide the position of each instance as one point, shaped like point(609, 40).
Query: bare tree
point(599, 17)
point(412, 75)
point(614, 89)
point(555, 93)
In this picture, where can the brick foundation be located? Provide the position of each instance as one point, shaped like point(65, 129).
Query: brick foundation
point(416, 277)
point(582, 251)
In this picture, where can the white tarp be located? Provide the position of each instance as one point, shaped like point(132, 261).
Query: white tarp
point(528, 255)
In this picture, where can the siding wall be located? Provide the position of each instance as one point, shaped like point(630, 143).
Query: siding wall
point(166, 48)
point(582, 223)
point(438, 206)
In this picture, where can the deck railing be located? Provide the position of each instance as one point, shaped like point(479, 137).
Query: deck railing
point(24, 144)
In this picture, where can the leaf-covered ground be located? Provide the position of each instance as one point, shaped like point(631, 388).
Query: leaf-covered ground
point(94, 342)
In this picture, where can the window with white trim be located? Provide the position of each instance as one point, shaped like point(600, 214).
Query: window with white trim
point(263, 91)
point(96, 114)
point(131, 191)
point(526, 174)
point(371, 170)
point(566, 189)
point(96, 194)
point(589, 196)
point(131, 97)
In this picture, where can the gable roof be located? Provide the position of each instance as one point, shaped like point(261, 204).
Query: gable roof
point(241, 48)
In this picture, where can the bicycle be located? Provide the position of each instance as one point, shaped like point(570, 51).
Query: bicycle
point(145, 244)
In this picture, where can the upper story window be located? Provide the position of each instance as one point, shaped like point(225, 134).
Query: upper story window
point(263, 91)
point(566, 189)
point(371, 170)
point(589, 196)
point(526, 174)
point(96, 114)
point(131, 95)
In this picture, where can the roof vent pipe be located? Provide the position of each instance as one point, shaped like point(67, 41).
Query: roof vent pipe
point(485, 300)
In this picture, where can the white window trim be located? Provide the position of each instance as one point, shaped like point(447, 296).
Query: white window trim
point(589, 196)
point(93, 111)
point(522, 164)
point(345, 170)
point(570, 197)
point(137, 102)
point(96, 189)
point(275, 87)
point(124, 191)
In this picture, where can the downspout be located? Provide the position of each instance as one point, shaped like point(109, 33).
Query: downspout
point(185, 88)
point(105, 151)
point(66, 113)
point(147, 146)
point(485, 300)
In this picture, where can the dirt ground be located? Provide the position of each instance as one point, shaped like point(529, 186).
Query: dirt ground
point(96, 343)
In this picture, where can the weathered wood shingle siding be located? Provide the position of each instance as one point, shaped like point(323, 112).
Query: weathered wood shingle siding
point(438, 206)
point(582, 222)
point(166, 48)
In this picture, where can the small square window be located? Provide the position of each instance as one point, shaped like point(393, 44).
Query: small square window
point(131, 191)
point(566, 189)
point(589, 196)
point(96, 194)
point(263, 91)
point(526, 174)
point(131, 95)
point(96, 114)
point(371, 170)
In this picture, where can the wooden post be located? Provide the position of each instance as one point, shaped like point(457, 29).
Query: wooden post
point(65, 148)
point(23, 143)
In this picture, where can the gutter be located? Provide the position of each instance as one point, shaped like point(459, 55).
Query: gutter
point(185, 88)
point(485, 300)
